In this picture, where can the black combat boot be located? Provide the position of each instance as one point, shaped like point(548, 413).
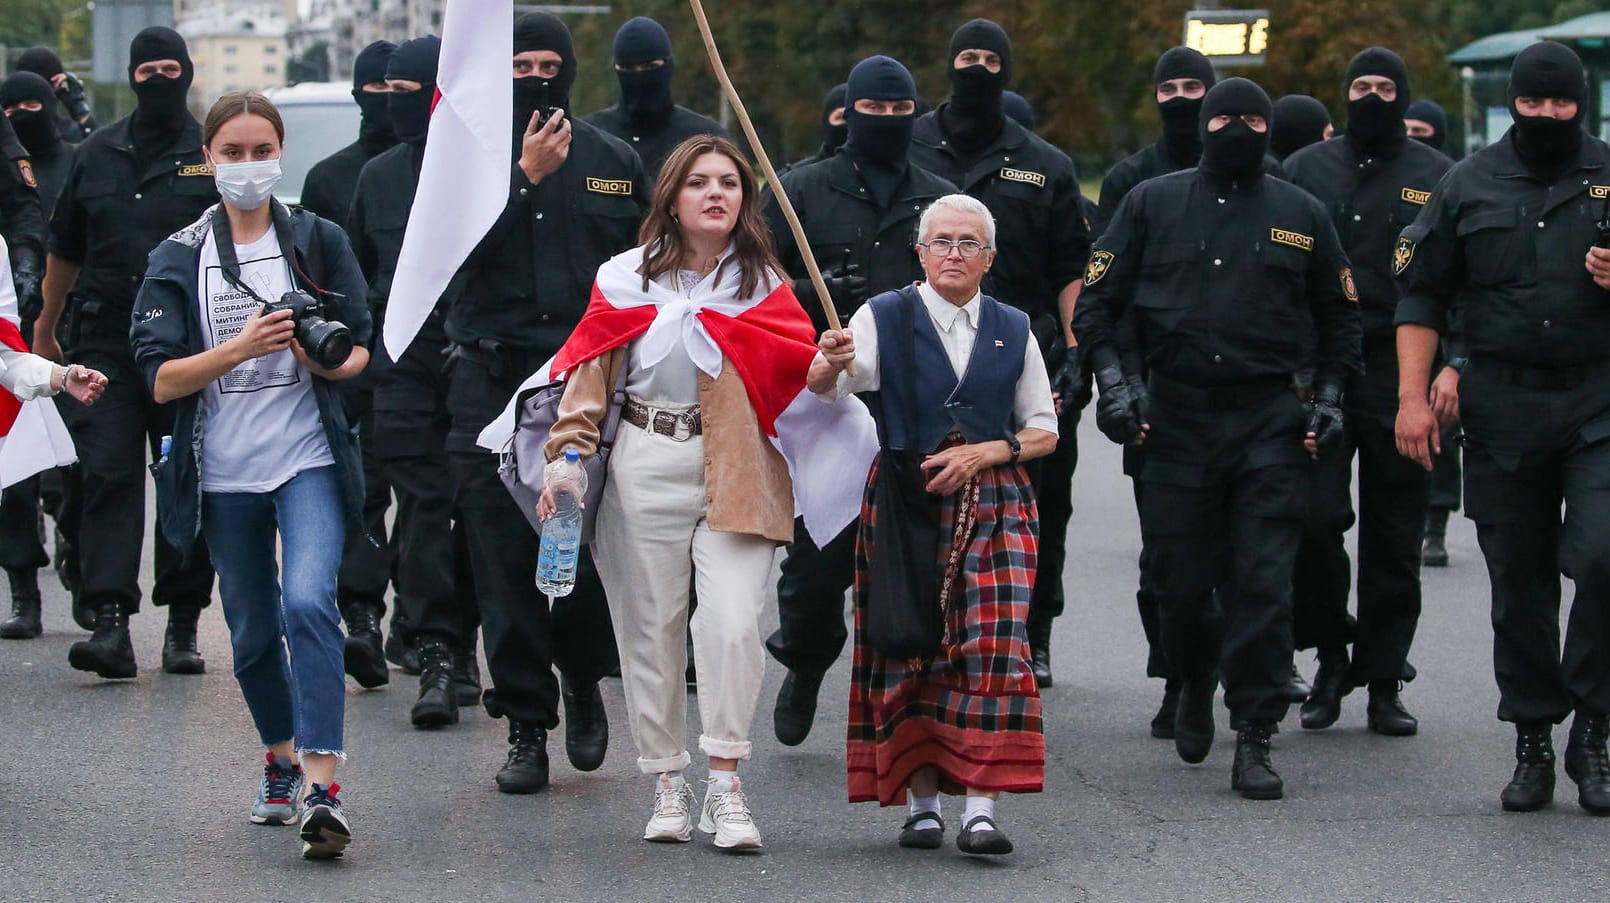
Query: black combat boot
point(108, 651)
point(1298, 688)
point(586, 724)
point(466, 677)
point(1587, 764)
point(1386, 713)
point(1040, 649)
point(1434, 553)
point(24, 622)
point(1252, 774)
point(1193, 723)
point(363, 653)
point(1163, 721)
point(179, 653)
point(1324, 703)
point(438, 704)
point(796, 707)
point(401, 645)
point(526, 770)
point(1532, 787)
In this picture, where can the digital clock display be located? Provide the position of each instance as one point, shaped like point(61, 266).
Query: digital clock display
point(1229, 37)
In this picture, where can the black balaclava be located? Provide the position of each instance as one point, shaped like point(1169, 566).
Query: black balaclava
point(160, 112)
point(542, 31)
point(370, 66)
point(1430, 113)
point(833, 136)
point(1298, 121)
point(413, 61)
point(35, 129)
point(1019, 109)
point(973, 117)
point(1548, 69)
point(878, 144)
point(1235, 151)
point(1180, 114)
point(41, 61)
point(1375, 126)
point(645, 96)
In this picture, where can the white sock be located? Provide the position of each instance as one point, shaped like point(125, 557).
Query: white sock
point(924, 805)
point(723, 781)
point(671, 780)
point(976, 806)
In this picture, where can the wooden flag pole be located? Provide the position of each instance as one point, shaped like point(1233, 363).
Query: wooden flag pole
point(766, 167)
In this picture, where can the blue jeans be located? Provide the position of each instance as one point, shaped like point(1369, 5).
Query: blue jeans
point(304, 699)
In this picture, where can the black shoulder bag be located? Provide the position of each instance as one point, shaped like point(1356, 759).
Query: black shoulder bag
point(903, 618)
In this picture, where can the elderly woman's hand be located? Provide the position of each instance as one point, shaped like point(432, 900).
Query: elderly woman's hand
point(837, 347)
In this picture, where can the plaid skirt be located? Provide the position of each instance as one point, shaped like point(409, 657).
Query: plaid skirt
point(972, 710)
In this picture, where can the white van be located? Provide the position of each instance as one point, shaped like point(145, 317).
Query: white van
point(320, 119)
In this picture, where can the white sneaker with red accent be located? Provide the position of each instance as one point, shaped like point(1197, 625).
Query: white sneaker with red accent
point(672, 821)
point(726, 815)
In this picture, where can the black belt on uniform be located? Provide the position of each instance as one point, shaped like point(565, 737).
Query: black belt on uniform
point(681, 424)
point(1548, 379)
point(1217, 398)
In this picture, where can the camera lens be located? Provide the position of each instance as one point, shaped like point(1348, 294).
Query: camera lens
point(329, 343)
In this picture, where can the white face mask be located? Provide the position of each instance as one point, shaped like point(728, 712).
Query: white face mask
point(247, 186)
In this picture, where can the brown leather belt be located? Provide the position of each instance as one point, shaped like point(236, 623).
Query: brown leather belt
point(681, 424)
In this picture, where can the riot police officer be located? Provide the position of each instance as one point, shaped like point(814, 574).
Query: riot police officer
point(832, 129)
point(1299, 120)
point(1033, 191)
point(131, 185)
point(1504, 235)
point(29, 104)
point(73, 120)
point(1238, 283)
point(647, 118)
point(860, 210)
point(332, 182)
point(1373, 180)
point(576, 198)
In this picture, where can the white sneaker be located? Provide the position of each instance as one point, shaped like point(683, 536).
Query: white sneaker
point(672, 821)
point(727, 816)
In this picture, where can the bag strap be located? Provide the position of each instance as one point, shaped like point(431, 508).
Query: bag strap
point(223, 238)
point(910, 300)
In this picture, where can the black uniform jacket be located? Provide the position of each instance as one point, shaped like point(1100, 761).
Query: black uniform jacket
point(1149, 162)
point(845, 225)
point(1033, 191)
point(114, 210)
point(333, 181)
point(1230, 281)
point(1509, 249)
point(22, 213)
point(526, 285)
point(654, 142)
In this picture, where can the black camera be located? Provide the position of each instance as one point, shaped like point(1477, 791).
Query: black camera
point(327, 342)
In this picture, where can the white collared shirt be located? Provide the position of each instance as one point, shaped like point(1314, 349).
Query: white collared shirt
point(1032, 405)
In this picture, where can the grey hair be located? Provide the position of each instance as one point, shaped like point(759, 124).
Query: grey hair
point(959, 203)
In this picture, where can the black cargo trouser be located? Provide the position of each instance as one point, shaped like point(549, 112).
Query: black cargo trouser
point(810, 601)
point(1052, 478)
point(1446, 474)
point(1225, 494)
point(524, 639)
point(113, 440)
point(21, 548)
point(1527, 453)
point(365, 567)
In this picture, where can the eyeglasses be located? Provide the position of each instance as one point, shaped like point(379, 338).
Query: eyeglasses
point(940, 247)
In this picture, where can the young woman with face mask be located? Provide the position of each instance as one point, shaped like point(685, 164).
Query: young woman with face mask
point(261, 454)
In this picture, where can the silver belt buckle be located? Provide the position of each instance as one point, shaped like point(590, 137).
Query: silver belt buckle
point(682, 425)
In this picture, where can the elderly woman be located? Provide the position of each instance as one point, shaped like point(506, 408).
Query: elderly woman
point(965, 719)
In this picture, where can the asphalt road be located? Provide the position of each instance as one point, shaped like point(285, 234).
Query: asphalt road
point(139, 790)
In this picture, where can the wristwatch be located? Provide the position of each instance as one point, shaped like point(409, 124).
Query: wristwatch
point(1015, 446)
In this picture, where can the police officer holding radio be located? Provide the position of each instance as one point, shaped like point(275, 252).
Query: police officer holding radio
point(860, 210)
point(1033, 192)
point(576, 197)
point(1504, 235)
point(1239, 284)
point(131, 185)
point(1373, 180)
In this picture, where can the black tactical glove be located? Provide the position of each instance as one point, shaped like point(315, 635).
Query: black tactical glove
point(72, 97)
point(27, 280)
point(1121, 412)
point(1325, 417)
point(845, 284)
point(1072, 381)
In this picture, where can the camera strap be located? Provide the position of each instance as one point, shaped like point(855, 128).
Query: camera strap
point(223, 237)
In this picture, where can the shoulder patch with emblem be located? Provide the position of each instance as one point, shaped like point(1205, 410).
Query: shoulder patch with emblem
point(1402, 254)
point(1349, 287)
point(1036, 179)
point(1100, 263)
point(1416, 197)
point(26, 170)
point(1292, 239)
point(621, 187)
point(1599, 192)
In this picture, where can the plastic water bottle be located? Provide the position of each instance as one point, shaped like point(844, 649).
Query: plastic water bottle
point(561, 531)
point(167, 446)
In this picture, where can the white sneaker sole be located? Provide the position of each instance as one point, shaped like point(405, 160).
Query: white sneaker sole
point(276, 820)
point(727, 840)
point(668, 835)
point(326, 838)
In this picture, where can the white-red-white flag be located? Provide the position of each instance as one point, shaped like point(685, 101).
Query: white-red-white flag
point(32, 435)
point(464, 180)
point(770, 342)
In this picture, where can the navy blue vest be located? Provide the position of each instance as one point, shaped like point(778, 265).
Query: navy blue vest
point(979, 406)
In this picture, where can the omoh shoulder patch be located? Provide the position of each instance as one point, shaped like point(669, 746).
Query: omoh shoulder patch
point(1100, 263)
point(1402, 254)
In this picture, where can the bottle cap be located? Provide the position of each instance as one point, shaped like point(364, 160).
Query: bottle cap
point(572, 456)
point(167, 444)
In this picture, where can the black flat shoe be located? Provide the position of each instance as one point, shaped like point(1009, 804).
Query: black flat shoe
point(981, 838)
point(922, 838)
